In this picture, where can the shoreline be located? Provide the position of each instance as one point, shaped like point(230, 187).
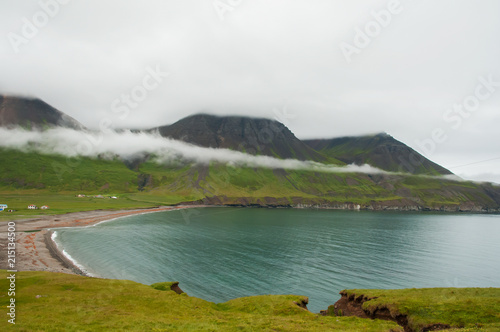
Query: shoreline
point(58, 254)
point(37, 251)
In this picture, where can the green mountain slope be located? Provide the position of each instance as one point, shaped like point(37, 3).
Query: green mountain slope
point(381, 151)
point(32, 170)
point(220, 184)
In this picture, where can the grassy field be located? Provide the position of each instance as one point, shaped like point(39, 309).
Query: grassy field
point(60, 203)
point(467, 309)
point(60, 302)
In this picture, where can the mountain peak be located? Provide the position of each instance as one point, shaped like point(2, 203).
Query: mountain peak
point(380, 150)
point(258, 136)
point(31, 113)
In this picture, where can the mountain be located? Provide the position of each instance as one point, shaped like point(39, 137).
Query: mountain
point(250, 135)
point(257, 136)
point(32, 113)
point(220, 184)
point(381, 151)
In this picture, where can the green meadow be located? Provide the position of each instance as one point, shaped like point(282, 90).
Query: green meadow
point(59, 302)
point(60, 203)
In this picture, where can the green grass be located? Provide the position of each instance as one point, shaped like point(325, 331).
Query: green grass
point(29, 170)
point(467, 308)
point(260, 183)
point(60, 302)
point(435, 192)
point(61, 203)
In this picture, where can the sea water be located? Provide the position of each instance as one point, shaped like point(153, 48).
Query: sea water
point(221, 253)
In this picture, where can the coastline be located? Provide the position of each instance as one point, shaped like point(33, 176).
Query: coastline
point(37, 251)
point(57, 254)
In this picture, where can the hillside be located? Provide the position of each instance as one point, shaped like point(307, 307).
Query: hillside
point(250, 135)
point(32, 113)
point(219, 184)
point(381, 151)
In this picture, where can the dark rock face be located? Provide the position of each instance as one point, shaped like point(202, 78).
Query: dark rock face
point(32, 114)
point(254, 136)
point(381, 151)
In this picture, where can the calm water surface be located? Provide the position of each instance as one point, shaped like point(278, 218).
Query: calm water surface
point(222, 253)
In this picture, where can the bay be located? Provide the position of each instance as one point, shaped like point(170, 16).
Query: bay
point(222, 253)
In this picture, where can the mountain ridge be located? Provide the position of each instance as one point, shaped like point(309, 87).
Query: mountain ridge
point(257, 136)
point(33, 113)
point(379, 150)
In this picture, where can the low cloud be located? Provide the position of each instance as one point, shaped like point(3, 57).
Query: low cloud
point(482, 177)
point(129, 145)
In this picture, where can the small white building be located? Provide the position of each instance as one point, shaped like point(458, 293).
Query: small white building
point(45, 207)
point(3, 207)
point(32, 207)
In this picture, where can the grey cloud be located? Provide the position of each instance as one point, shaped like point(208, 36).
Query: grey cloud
point(126, 145)
point(267, 55)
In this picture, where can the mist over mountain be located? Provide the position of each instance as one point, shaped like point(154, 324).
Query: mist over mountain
point(382, 151)
point(245, 134)
point(33, 113)
point(138, 147)
point(222, 135)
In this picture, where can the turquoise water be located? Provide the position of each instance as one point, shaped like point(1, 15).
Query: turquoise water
point(222, 253)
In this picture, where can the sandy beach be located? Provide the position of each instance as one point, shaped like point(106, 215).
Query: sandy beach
point(35, 250)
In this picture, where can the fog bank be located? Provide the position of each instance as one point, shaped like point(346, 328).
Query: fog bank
point(129, 145)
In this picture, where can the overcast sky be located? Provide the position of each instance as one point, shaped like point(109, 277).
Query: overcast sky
point(324, 68)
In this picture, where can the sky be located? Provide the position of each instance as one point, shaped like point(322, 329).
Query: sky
point(426, 72)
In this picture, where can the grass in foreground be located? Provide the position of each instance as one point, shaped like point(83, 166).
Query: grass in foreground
point(60, 302)
point(464, 309)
